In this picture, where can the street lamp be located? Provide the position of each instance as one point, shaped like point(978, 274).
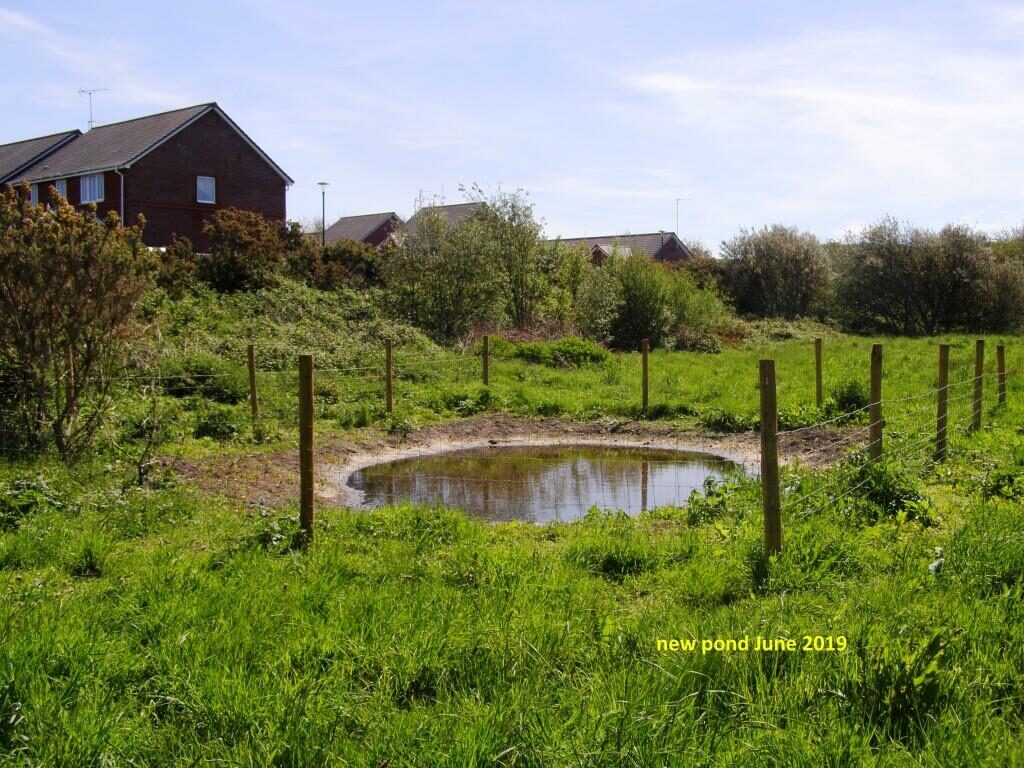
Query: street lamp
point(323, 212)
point(677, 212)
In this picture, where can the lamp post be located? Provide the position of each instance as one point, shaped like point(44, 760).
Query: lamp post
point(677, 213)
point(323, 212)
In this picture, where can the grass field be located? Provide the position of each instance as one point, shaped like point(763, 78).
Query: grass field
point(153, 626)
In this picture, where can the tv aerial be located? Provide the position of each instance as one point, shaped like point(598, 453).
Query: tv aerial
point(89, 92)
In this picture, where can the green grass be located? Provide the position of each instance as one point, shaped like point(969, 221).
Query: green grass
point(153, 626)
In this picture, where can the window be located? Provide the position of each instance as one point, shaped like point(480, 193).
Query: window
point(206, 189)
point(92, 188)
point(33, 194)
point(62, 187)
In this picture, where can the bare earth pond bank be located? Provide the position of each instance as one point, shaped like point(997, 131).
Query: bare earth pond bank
point(270, 478)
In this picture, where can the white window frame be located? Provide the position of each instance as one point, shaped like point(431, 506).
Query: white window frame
point(62, 187)
point(213, 190)
point(95, 195)
point(33, 194)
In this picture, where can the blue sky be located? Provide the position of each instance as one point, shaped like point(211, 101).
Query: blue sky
point(817, 115)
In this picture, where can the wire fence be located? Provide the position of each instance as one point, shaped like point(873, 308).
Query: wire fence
point(646, 479)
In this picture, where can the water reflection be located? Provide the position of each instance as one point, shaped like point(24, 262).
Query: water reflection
point(542, 483)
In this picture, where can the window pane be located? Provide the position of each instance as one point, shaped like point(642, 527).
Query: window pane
point(33, 194)
point(92, 188)
point(206, 189)
point(62, 187)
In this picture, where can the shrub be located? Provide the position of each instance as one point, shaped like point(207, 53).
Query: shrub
point(887, 490)
point(897, 278)
point(177, 270)
point(346, 262)
point(217, 423)
point(776, 271)
point(846, 398)
point(71, 288)
point(644, 310)
point(440, 278)
point(204, 375)
point(597, 304)
point(570, 351)
point(247, 251)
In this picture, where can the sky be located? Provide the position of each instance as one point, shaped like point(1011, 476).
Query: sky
point(612, 117)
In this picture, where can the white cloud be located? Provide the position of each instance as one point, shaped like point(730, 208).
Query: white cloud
point(853, 123)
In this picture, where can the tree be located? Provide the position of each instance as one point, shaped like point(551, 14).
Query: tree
point(69, 288)
point(564, 271)
point(644, 310)
point(903, 279)
point(440, 277)
point(512, 238)
point(776, 271)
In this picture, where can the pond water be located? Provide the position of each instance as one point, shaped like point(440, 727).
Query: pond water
point(543, 483)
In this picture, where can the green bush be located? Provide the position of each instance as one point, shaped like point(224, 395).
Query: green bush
point(204, 375)
point(217, 423)
point(846, 398)
point(568, 352)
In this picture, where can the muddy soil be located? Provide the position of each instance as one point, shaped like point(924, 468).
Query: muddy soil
point(271, 479)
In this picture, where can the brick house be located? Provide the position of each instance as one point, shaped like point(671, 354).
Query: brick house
point(374, 229)
point(660, 246)
point(175, 168)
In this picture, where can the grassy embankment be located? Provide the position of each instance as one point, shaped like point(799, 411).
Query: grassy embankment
point(150, 626)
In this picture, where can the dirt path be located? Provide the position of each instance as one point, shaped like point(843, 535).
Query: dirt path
point(271, 478)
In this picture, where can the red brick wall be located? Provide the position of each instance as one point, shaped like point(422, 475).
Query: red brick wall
point(162, 186)
point(380, 234)
point(111, 194)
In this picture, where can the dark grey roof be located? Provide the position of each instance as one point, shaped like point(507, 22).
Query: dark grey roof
point(456, 213)
point(118, 145)
point(18, 156)
point(649, 243)
point(358, 227)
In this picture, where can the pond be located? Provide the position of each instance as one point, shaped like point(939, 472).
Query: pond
point(543, 483)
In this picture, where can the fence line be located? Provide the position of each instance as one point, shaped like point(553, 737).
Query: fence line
point(909, 442)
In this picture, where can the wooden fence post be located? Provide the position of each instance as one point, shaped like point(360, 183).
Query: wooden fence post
point(875, 407)
point(818, 394)
point(770, 460)
point(1001, 372)
point(645, 348)
point(254, 400)
point(943, 404)
point(306, 446)
point(979, 370)
point(389, 387)
point(487, 361)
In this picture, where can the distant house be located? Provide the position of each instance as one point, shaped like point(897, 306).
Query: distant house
point(21, 155)
point(175, 168)
point(456, 214)
point(660, 246)
point(374, 229)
